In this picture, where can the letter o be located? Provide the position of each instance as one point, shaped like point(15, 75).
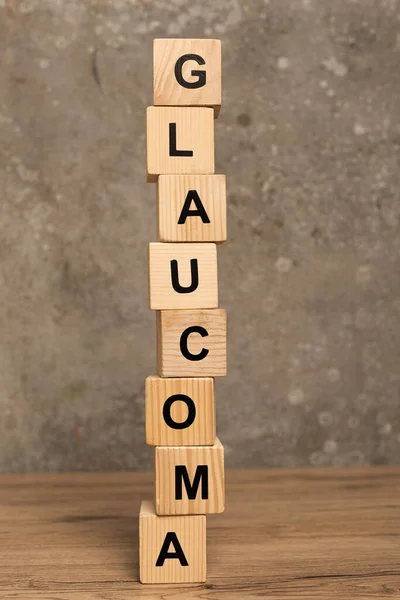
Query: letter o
point(167, 411)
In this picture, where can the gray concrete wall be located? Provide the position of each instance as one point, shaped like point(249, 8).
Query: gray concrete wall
point(309, 138)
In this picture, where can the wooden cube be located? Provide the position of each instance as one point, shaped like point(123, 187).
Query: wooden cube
point(182, 276)
point(179, 140)
point(171, 549)
point(190, 479)
point(191, 208)
point(180, 411)
point(187, 72)
point(191, 343)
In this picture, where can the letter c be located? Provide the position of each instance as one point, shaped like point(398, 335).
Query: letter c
point(184, 343)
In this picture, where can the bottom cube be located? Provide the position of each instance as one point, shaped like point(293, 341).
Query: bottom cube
point(171, 549)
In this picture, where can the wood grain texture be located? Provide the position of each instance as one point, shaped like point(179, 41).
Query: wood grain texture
point(167, 89)
point(194, 132)
point(201, 391)
point(170, 326)
point(306, 534)
point(163, 295)
point(190, 457)
point(190, 535)
point(172, 191)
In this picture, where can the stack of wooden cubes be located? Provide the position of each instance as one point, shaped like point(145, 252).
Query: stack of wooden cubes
point(191, 329)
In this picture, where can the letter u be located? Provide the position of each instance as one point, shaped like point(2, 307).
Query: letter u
point(194, 270)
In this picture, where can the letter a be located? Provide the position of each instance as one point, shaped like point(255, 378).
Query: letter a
point(193, 196)
point(171, 538)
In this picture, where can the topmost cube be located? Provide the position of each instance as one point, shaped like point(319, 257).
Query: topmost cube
point(187, 72)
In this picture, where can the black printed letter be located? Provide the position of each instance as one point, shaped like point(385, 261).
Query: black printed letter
point(194, 270)
point(201, 81)
point(172, 143)
point(167, 411)
point(181, 474)
point(192, 196)
point(171, 538)
point(184, 340)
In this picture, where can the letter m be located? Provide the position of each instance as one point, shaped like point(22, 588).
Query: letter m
point(181, 475)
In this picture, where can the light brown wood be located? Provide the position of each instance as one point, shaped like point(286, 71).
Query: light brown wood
point(172, 191)
point(209, 494)
point(286, 534)
point(191, 261)
point(200, 393)
point(194, 133)
point(167, 89)
point(173, 326)
point(183, 536)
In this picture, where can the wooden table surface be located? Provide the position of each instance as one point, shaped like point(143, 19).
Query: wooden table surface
point(287, 534)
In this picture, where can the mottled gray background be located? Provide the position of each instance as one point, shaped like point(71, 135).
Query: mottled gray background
point(309, 138)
